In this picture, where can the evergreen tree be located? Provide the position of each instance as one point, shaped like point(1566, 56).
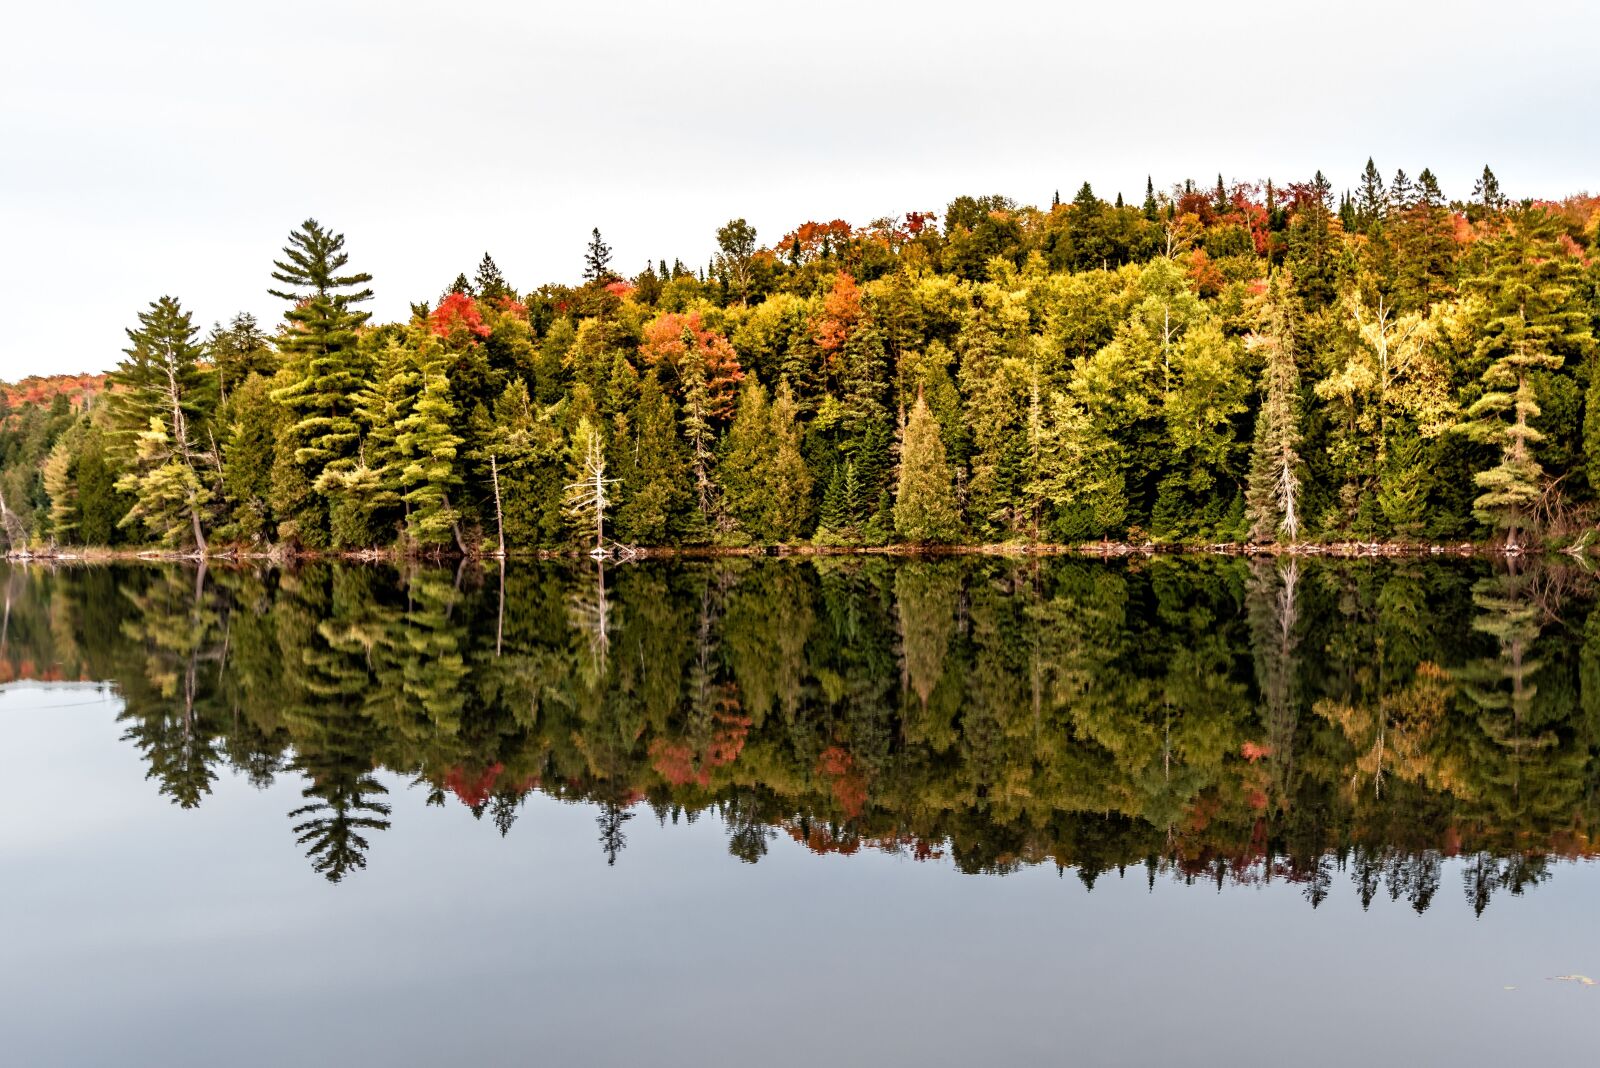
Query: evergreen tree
point(169, 498)
point(527, 447)
point(1272, 497)
point(1486, 192)
point(249, 441)
point(324, 369)
point(1372, 200)
point(239, 350)
point(597, 259)
point(160, 376)
point(745, 465)
point(427, 445)
point(658, 497)
point(489, 284)
point(925, 507)
point(789, 480)
point(160, 381)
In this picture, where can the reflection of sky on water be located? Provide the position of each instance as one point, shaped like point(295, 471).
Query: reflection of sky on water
point(135, 932)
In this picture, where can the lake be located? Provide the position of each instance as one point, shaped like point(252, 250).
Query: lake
point(850, 810)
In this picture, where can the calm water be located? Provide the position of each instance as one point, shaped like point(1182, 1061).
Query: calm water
point(797, 812)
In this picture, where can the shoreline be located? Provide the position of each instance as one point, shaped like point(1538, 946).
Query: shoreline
point(1093, 550)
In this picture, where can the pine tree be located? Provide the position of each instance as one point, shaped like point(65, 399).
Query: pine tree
point(160, 376)
point(160, 381)
point(925, 507)
point(1272, 495)
point(324, 370)
point(1486, 192)
point(597, 259)
point(1151, 208)
point(169, 498)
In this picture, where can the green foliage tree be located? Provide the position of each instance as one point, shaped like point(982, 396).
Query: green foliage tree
point(925, 506)
point(324, 369)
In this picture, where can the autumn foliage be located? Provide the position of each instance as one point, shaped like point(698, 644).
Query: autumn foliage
point(458, 314)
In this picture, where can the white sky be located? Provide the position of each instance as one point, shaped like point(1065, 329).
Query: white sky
point(168, 147)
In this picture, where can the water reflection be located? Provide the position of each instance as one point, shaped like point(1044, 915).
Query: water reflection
point(1217, 721)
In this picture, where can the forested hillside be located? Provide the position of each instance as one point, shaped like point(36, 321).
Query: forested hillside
point(1254, 362)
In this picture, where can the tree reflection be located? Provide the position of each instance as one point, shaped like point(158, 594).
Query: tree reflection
point(1216, 721)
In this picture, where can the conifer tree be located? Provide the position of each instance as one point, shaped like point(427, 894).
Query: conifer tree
point(697, 428)
point(1371, 201)
point(160, 376)
point(238, 351)
point(925, 507)
point(323, 368)
point(159, 380)
point(597, 259)
point(169, 498)
point(789, 481)
point(527, 447)
point(248, 442)
point(427, 445)
point(1272, 495)
point(748, 453)
point(1486, 192)
point(1151, 208)
point(489, 284)
point(658, 498)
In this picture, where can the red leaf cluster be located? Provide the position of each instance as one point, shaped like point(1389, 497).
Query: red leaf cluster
point(458, 313)
point(673, 337)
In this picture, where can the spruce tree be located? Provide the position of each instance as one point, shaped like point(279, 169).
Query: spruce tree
point(1371, 202)
point(323, 368)
point(925, 507)
point(597, 259)
point(489, 284)
point(1151, 208)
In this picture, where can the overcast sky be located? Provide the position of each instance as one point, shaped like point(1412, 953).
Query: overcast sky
point(168, 147)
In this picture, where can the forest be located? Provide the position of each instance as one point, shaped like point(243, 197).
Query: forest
point(1262, 363)
point(1375, 724)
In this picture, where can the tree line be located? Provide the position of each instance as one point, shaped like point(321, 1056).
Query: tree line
point(1246, 362)
point(1220, 720)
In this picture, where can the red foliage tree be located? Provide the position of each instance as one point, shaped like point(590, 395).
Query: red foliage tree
point(672, 337)
point(458, 315)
